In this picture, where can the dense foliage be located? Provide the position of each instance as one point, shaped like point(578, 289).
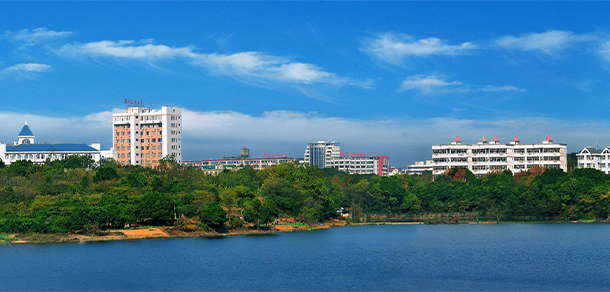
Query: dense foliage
point(74, 194)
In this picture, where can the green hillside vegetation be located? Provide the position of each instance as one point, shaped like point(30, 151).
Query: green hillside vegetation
point(76, 195)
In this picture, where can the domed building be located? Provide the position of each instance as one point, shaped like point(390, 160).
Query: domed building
point(26, 149)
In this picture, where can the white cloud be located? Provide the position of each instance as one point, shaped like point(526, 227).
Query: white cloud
point(24, 70)
point(28, 37)
point(394, 48)
point(248, 65)
point(206, 134)
point(27, 67)
point(604, 51)
point(437, 84)
point(127, 50)
point(429, 84)
point(547, 42)
point(491, 88)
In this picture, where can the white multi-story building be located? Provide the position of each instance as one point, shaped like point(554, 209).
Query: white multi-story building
point(378, 164)
point(26, 149)
point(328, 154)
point(590, 157)
point(484, 157)
point(419, 167)
point(322, 153)
point(142, 136)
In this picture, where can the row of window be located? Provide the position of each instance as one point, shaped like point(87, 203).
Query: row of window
point(496, 151)
point(147, 140)
point(38, 156)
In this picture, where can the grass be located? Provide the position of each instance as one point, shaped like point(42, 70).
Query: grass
point(586, 220)
point(5, 238)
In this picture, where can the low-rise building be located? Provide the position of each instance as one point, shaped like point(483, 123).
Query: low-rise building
point(26, 149)
point(238, 163)
point(485, 157)
point(419, 167)
point(378, 164)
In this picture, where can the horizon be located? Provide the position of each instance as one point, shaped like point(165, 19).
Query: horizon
point(381, 78)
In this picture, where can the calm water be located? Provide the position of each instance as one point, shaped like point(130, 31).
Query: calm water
point(547, 257)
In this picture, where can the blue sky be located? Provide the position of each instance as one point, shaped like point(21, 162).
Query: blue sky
point(383, 78)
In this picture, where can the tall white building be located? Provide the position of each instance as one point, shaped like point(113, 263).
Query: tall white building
point(598, 159)
point(142, 135)
point(484, 156)
point(321, 153)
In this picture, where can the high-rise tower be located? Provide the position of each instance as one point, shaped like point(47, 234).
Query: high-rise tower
point(142, 136)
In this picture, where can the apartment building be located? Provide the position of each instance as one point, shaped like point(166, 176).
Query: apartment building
point(590, 157)
point(484, 157)
point(142, 135)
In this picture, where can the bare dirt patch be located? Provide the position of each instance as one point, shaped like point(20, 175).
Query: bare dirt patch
point(147, 232)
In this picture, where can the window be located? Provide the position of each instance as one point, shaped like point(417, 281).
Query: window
point(160, 140)
point(154, 140)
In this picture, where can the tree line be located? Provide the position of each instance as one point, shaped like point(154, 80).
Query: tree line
point(76, 194)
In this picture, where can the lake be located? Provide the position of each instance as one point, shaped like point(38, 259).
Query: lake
point(490, 257)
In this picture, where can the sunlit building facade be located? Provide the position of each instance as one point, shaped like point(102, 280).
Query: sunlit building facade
point(143, 136)
point(485, 157)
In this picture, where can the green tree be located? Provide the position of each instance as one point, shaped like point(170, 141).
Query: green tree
point(212, 215)
point(105, 173)
point(157, 206)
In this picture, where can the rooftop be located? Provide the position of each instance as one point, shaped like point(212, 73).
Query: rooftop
point(50, 148)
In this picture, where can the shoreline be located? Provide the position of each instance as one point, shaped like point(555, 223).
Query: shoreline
point(169, 232)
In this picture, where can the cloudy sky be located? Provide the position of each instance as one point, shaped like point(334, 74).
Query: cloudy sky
point(383, 78)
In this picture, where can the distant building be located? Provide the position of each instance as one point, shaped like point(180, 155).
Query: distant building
point(217, 165)
point(142, 136)
point(322, 153)
point(244, 153)
point(484, 157)
point(419, 167)
point(26, 149)
point(590, 157)
point(395, 170)
point(379, 165)
point(328, 154)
